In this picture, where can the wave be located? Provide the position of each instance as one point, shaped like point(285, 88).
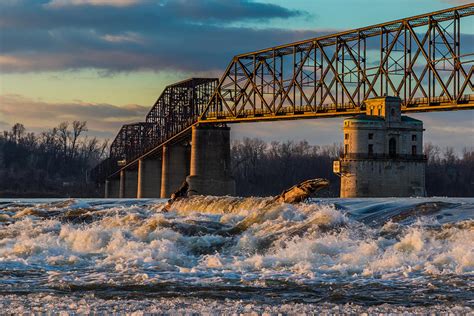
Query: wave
point(244, 241)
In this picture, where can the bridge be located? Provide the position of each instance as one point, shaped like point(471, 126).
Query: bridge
point(426, 60)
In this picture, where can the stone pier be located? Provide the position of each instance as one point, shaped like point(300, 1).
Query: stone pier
point(210, 171)
point(149, 178)
point(175, 168)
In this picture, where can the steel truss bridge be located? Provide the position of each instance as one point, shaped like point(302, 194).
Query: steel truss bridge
point(426, 60)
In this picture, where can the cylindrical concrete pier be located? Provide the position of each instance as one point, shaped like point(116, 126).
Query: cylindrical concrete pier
point(210, 172)
point(122, 184)
point(175, 168)
point(149, 178)
point(107, 189)
point(131, 183)
point(128, 184)
point(112, 188)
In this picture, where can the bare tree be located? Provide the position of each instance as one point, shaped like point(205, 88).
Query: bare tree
point(63, 135)
point(17, 132)
point(78, 127)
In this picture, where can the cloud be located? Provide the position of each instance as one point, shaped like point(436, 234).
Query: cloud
point(4, 126)
point(183, 35)
point(124, 38)
point(133, 35)
point(37, 115)
point(113, 3)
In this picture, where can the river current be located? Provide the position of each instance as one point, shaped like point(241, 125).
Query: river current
point(237, 255)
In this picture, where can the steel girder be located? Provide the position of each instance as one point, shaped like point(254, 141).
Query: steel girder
point(178, 107)
point(130, 141)
point(425, 60)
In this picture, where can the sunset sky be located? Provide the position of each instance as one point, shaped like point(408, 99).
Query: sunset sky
point(106, 61)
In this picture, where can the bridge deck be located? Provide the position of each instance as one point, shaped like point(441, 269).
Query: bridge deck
point(307, 112)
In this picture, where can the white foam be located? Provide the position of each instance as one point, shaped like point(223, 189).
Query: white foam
point(303, 242)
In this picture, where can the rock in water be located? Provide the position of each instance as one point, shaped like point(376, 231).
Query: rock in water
point(302, 191)
point(295, 194)
point(181, 193)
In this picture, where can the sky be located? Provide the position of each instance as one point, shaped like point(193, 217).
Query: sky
point(107, 61)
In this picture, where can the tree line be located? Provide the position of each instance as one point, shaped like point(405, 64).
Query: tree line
point(56, 163)
point(264, 169)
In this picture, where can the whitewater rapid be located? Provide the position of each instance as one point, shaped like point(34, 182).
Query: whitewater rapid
point(368, 252)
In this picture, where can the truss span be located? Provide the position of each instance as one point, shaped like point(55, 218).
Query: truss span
point(176, 109)
point(426, 60)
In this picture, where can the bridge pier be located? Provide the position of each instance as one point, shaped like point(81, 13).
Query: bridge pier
point(210, 172)
point(149, 178)
point(112, 188)
point(128, 184)
point(107, 189)
point(175, 168)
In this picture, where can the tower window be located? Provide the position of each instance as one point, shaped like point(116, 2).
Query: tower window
point(371, 136)
point(413, 150)
point(413, 137)
point(346, 136)
point(379, 111)
point(371, 111)
point(392, 147)
point(346, 149)
point(371, 149)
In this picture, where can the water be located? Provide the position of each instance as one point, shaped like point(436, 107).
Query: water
point(237, 255)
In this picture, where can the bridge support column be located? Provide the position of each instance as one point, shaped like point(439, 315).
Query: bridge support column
point(210, 172)
point(131, 183)
point(112, 188)
point(175, 168)
point(149, 178)
point(107, 189)
point(122, 184)
point(128, 183)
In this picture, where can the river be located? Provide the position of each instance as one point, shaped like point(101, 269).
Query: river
point(237, 255)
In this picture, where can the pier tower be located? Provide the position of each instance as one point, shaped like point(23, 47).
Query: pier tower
point(383, 153)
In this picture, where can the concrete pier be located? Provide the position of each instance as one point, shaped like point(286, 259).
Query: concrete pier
point(112, 188)
point(383, 153)
point(149, 178)
point(122, 184)
point(131, 183)
point(175, 168)
point(107, 189)
point(128, 183)
point(210, 172)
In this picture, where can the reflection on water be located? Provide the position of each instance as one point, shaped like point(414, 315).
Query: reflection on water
point(407, 252)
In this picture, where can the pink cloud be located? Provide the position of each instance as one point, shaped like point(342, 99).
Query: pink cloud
point(37, 115)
